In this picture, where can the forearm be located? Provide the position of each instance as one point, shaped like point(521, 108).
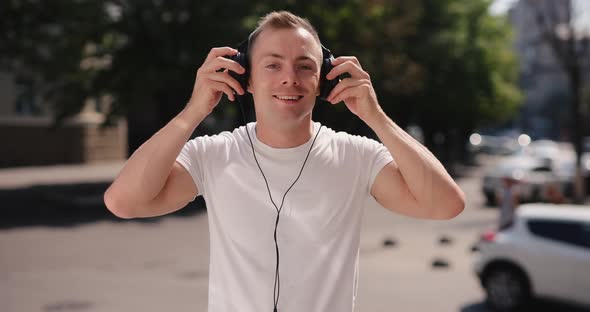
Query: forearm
point(145, 173)
point(425, 176)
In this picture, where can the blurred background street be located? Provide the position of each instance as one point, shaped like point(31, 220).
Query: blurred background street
point(498, 90)
point(77, 263)
point(157, 264)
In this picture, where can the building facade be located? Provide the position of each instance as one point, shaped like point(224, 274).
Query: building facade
point(546, 111)
point(30, 139)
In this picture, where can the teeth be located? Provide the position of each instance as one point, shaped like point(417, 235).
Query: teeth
point(288, 97)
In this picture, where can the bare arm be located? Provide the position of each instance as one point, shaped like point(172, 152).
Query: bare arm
point(416, 183)
point(151, 169)
point(151, 183)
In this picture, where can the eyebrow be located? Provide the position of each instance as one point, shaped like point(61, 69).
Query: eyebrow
point(299, 58)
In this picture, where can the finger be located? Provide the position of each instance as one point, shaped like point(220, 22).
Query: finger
point(341, 59)
point(227, 79)
point(345, 83)
point(216, 52)
point(351, 92)
point(220, 63)
point(347, 67)
point(222, 87)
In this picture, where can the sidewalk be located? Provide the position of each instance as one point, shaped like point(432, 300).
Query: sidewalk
point(61, 195)
point(22, 177)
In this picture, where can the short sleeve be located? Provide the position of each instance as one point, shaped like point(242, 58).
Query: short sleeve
point(192, 158)
point(378, 157)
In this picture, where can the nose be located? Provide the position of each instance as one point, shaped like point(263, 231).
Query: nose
point(290, 77)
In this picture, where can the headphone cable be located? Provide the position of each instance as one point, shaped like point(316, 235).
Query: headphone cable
point(277, 284)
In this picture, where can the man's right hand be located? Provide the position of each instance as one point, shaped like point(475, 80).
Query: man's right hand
point(213, 80)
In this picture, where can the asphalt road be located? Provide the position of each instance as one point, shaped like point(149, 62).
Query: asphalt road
point(103, 264)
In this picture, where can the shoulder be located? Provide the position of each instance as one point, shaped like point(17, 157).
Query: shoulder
point(347, 140)
point(217, 146)
point(224, 138)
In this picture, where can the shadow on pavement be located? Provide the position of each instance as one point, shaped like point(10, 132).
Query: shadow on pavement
point(538, 306)
point(476, 307)
point(66, 205)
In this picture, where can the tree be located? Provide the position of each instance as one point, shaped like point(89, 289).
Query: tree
point(42, 44)
point(444, 65)
point(141, 55)
point(471, 77)
point(556, 21)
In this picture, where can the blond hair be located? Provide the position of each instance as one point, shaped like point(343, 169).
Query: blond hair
point(281, 20)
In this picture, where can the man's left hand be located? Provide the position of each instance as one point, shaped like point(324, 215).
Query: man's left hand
point(357, 91)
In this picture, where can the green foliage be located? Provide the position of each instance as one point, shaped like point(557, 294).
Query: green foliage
point(444, 64)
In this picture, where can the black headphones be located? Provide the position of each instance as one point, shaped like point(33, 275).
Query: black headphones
point(326, 85)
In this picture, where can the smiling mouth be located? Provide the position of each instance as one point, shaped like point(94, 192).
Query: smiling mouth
point(288, 98)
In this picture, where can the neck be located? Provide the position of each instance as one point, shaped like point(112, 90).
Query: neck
point(284, 135)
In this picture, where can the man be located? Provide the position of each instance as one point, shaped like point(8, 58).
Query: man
point(509, 199)
point(283, 165)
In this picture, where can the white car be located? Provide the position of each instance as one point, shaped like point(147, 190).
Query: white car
point(532, 173)
point(544, 253)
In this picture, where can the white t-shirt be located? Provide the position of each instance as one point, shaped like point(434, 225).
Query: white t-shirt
point(319, 227)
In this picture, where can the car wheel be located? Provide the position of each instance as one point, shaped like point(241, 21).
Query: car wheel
point(506, 288)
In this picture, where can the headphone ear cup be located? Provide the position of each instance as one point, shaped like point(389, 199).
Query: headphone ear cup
point(326, 85)
point(242, 59)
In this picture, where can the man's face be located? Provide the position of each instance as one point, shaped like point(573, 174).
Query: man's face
point(285, 71)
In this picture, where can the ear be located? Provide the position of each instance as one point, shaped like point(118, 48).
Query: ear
point(318, 89)
point(249, 86)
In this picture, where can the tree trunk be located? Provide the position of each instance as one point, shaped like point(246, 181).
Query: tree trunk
point(578, 133)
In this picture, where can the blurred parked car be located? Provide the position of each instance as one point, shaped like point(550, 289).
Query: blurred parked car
point(534, 176)
point(562, 158)
point(544, 253)
point(497, 141)
point(492, 144)
point(540, 166)
point(549, 151)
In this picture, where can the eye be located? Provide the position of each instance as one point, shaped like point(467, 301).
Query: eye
point(272, 66)
point(305, 67)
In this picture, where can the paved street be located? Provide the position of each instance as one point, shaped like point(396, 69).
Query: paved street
point(402, 278)
point(162, 264)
